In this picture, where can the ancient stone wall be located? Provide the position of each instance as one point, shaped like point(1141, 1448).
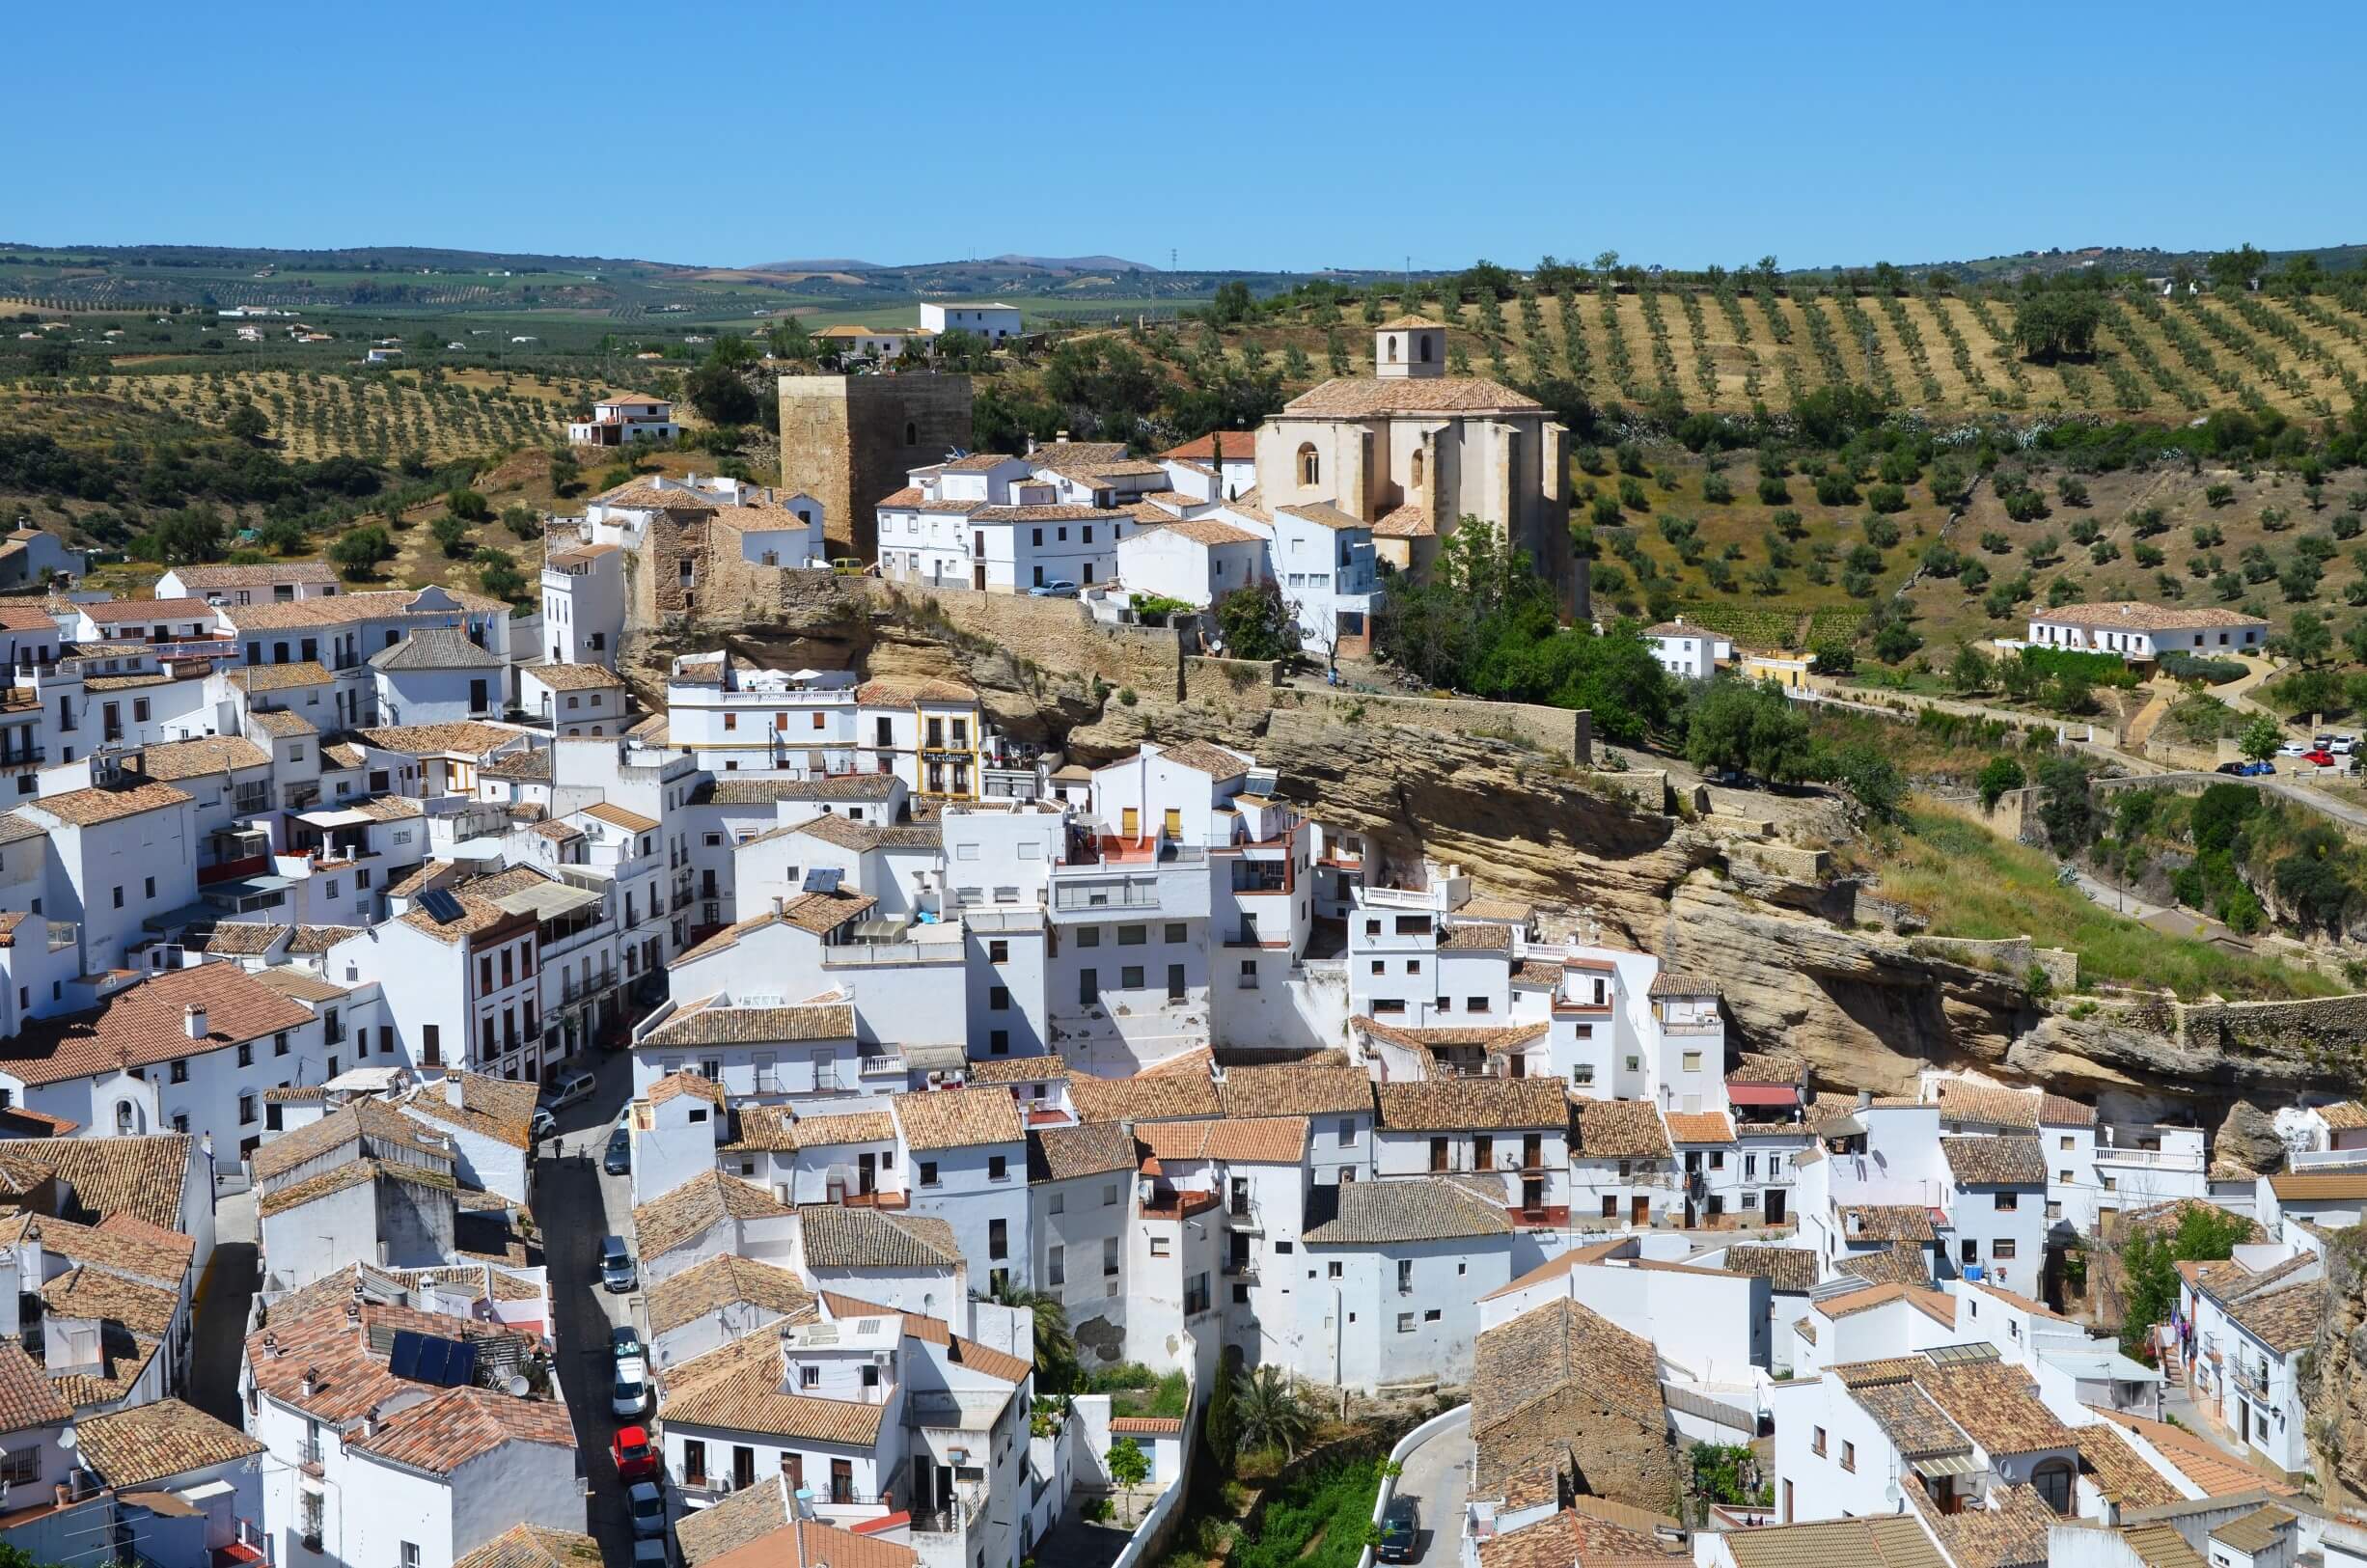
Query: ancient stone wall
point(1563, 732)
point(848, 440)
point(1058, 635)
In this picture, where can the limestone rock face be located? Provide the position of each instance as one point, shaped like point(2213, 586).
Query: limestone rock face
point(2333, 1385)
point(2248, 1137)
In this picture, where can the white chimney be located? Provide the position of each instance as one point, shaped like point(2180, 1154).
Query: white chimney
point(193, 1020)
point(311, 1381)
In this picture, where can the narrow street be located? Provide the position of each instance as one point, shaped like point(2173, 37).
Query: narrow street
point(226, 1297)
point(575, 1206)
point(1438, 1476)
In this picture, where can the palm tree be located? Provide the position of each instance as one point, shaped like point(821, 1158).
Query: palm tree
point(1056, 1348)
point(1269, 1414)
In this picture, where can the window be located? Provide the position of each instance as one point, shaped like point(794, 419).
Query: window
point(1109, 1257)
point(1816, 1442)
point(1158, 1247)
point(929, 1173)
point(998, 1169)
point(997, 998)
point(1109, 1195)
point(179, 1073)
point(1405, 1276)
point(1133, 936)
point(2008, 1203)
point(148, 891)
point(997, 1042)
point(1130, 978)
point(246, 1053)
point(119, 897)
point(1332, 1270)
point(1475, 1004)
point(1310, 466)
point(998, 1239)
point(246, 1110)
point(1346, 1132)
point(2002, 1249)
point(998, 952)
point(410, 1555)
point(1405, 1323)
point(1849, 1455)
point(1175, 932)
point(2065, 1142)
point(1692, 1062)
point(1056, 1267)
point(1089, 987)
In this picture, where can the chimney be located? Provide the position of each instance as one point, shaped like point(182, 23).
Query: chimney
point(193, 1020)
point(369, 1422)
point(1866, 1099)
point(311, 1381)
point(1060, 438)
point(271, 1344)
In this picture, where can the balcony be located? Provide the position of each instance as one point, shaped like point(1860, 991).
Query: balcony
point(2252, 1380)
point(961, 1513)
point(882, 1064)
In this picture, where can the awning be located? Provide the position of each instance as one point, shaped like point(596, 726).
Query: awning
point(1768, 1095)
point(1846, 1127)
point(882, 928)
point(547, 900)
point(1934, 1466)
point(335, 817)
point(934, 1058)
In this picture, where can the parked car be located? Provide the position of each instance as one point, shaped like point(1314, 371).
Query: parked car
point(1400, 1531)
point(2255, 770)
point(1060, 587)
point(625, 1344)
point(569, 1090)
point(1726, 778)
point(2293, 748)
point(2324, 758)
point(647, 1506)
point(542, 1124)
point(636, 1460)
point(616, 1272)
point(628, 1397)
point(652, 1554)
point(618, 1159)
point(2343, 746)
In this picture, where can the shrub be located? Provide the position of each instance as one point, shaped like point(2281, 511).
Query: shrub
point(1886, 498)
point(1605, 512)
point(2024, 506)
point(2219, 495)
point(2073, 491)
point(1716, 488)
point(1790, 524)
point(1835, 488)
point(1834, 657)
point(2346, 525)
point(1632, 495)
point(2203, 671)
point(2096, 668)
point(1772, 491)
point(1882, 532)
point(1998, 774)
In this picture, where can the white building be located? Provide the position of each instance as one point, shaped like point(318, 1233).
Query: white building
point(583, 604)
point(620, 421)
point(993, 322)
point(1687, 652)
point(2141, 633)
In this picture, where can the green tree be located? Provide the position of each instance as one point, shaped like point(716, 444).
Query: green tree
point(2148, 1260)
point(247, 423)
point(1972, 670)
point(2260, 738)
point(450, 535)
point(498, 574)
point(467, 505)
point(188, 536)
point(1736, 725)
point(1871, 779)
point(1056, 1348)
point(1128, 1470)
point(1269, 1413)
point(2065, 810)
point(1221, 1423)
point(565, 476)
point(1998, 774)
point(722, 394)
point(358, 550)
point(2309, 639)
point(1256, 623)
point(2048, 326)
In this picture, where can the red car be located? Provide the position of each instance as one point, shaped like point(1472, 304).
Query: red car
point(636, 1460)
point(2322, 756)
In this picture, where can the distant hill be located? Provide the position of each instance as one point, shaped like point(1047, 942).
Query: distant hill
point(1076, 264)
point(834, 263)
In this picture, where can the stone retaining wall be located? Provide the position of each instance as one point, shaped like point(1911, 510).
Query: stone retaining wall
point(1056, 634)
point(1564, 733)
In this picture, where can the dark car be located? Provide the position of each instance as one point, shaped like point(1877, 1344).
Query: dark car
point(618, 1159)
point(1401, 1529)
point(624, 1343)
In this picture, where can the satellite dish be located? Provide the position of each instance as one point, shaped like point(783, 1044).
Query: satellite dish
point(67, 1438)
point(516, 1386)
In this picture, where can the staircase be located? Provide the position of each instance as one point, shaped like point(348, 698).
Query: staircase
point(2173, 1359)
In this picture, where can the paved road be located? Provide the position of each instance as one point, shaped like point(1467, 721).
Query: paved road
point(225, 1299)
point(576, 1206)
point(2314, 798)
point(1438, 1476)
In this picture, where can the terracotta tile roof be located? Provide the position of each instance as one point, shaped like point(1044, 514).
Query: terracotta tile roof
point(1786, 1268)
point(495, 1107)
point(753, 1025)
point(454, 1425)
point(1472, 1104)
point(534, 1545)
point(1206, 757)
point(2011, 1532)
point(144, 1025)
point(1907, 1415)
point(2132, 614)
point(2126, 1478)
point(349, 1379)
point(433, 648)
point(1886, 1221)
point(1090, 1149)
point(816, 1542)
point(2342, 1116)
point(2055, 1111)
point(573, 678)
point(87, 1292)
point(1548, 1373)
point(1243, 1139)
point(730, 791)
point(342, 1177)
point(823, 1128)
point(478, 915)
point(749, 1514)
point(280, 723)
point(1700, 1127)
point(1892, 1265)
point(697, 1206)
point(1891, 1541)
point(27, 1398)
point(299, 985)
point(464, 737)
point(1239, 446)
point(2217, 1474)
point(1991, 1104)
point(1017, 1069)
point(2306, 1186)
point(1477, 937)
point(2160, 1546)
point(1410, 521)
point(1144, 1097)
point(1363, 396)
point(1621, 1130)
point(638, 495)
point(821, 913)
point(737, 1389)
point(1676, 982)
point(1994, 1161)
point(1296, 1089)
point(723, 1282)
point(2256, 1532)
point(368, 1124)
point(1407, 1209)
point(952, 1119)
point(114, 612)
point(1210, 531)
point(170, 761)
point(2284, 1320)
point(85, 808)
point(128, 1227)
point(1491, 1039)
point(268, 576)
point(697, 1086)
point(143, 1175)
point(617, 816)
point(835, 1237)
point(243, 939)
point(1537, 975)
point(1997, 1404)
point(157, 1441)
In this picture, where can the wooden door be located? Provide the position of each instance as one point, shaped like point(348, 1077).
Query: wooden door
point(1130, 822)
point(1640, 1211)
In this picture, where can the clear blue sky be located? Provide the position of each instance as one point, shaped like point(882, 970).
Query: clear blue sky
point(1238, 135)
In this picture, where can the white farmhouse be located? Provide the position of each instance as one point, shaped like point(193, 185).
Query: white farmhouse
point(1687, 652)
point(2142, 633)
point(992, 321)
point(620, 421)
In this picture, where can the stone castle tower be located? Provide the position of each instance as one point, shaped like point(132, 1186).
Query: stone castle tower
point(848, 440)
